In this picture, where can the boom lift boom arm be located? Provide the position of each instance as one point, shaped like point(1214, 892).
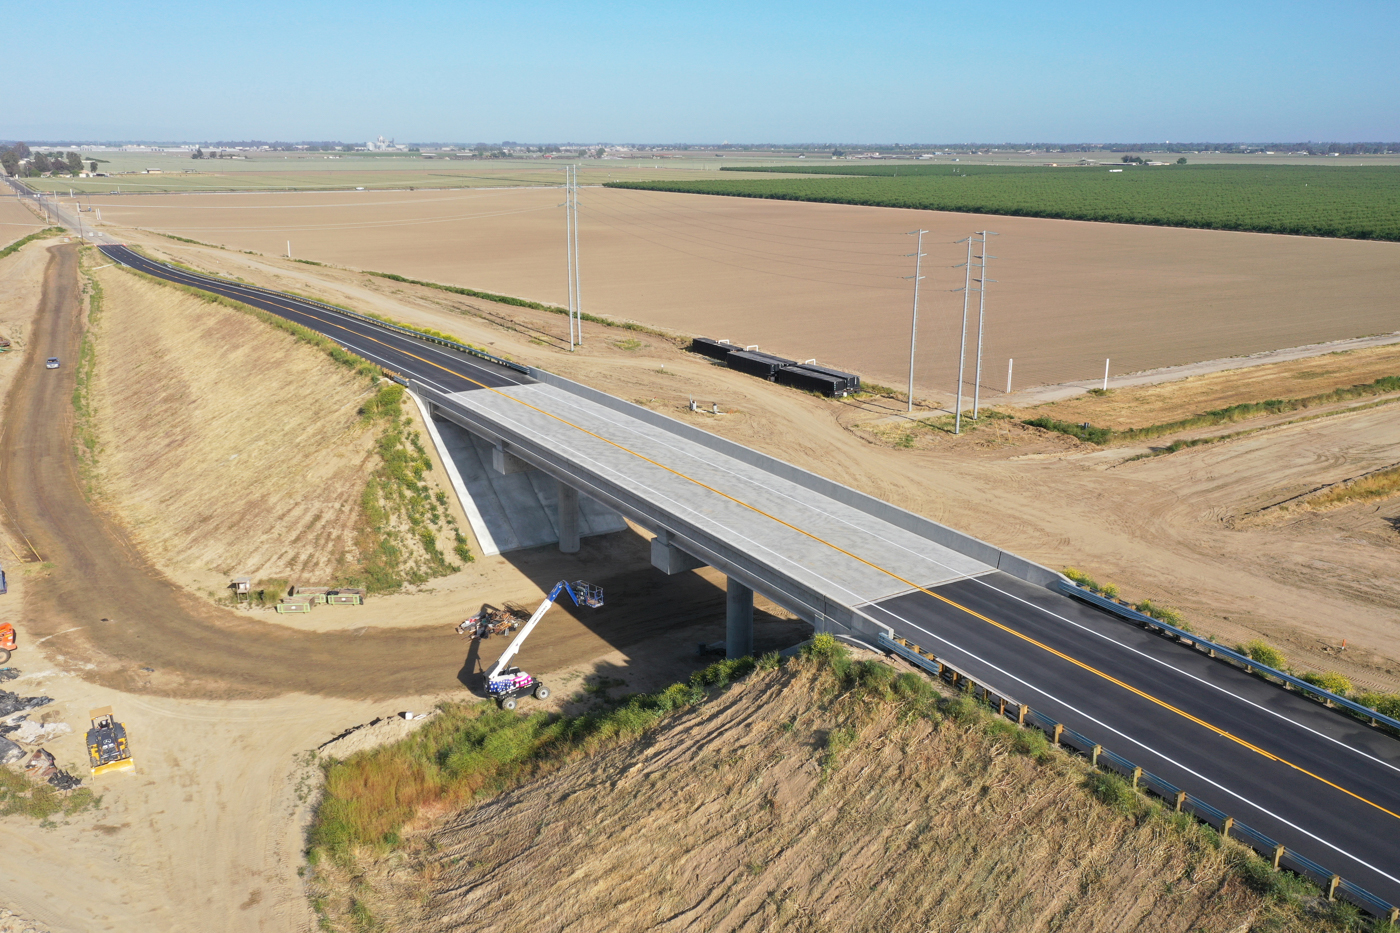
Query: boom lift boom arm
point(583, 594)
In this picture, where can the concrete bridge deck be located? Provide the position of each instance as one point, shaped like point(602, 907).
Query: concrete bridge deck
point(737, 503)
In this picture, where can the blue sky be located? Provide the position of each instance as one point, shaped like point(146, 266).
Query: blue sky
point(744, 72)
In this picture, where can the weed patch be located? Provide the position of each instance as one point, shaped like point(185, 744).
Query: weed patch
point(20, 796)
point(15, 246)
point(1380, 485)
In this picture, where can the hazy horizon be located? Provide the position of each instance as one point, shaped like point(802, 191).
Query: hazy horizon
point(783, 73)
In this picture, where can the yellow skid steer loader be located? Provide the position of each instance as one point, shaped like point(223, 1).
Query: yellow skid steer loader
point(106, 742)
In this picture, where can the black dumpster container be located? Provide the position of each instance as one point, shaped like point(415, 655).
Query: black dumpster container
point(809, 380)
point(714, 349)
point(762, 365)
point(850, 382)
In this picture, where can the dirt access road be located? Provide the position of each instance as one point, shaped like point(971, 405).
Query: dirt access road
point(162, 639)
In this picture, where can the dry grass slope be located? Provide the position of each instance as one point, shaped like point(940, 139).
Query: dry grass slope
point(799, 801)
point(232, 448)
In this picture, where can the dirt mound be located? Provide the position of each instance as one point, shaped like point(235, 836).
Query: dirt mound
point(790, 803)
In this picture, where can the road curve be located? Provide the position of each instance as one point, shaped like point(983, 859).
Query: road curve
point(164, 640)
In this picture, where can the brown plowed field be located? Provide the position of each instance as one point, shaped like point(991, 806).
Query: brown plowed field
point(16, 220)
point(824, 281)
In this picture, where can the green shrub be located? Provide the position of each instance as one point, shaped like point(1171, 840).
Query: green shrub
point(1162, 614)
point(1329, 681)
point(1082, 578)
point(1264, 653)
point(1090, 434)
point(963, 710)
point(873, 676)
point(1282, 886)
point(837, 741)
point(911, 686)
point(1116, 792)
point(823, 647)
point(1032, 742)
point(1387, 704)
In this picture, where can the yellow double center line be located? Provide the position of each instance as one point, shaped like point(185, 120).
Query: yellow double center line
point(856, 557)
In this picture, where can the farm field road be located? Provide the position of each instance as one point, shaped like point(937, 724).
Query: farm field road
point(826, 281)
point(197, 649)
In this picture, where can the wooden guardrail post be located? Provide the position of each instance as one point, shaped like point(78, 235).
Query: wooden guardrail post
point(1021, 714)
point(1001, 706)
point(1395, 915)
point(1137, 776)
point(1058, 729)
point(1225, 827)
point(1278, 854)
point(1332, 887)
point(1094, 755)
point(1180, 799)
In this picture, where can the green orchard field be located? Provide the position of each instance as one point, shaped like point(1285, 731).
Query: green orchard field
point(1360, 202)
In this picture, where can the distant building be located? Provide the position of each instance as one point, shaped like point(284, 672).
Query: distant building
point(380, 144)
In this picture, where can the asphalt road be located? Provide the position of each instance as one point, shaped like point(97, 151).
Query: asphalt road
point(449, 370)
point(1320, 783)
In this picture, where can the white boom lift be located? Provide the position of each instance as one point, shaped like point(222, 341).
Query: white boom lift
point(505, 683)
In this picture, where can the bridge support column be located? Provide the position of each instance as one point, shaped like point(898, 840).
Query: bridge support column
point(738, 632)
point(568, 519)
point(507, 463)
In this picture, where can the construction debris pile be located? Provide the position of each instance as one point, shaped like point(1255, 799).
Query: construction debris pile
point(489, 621)
point(42, 767)
point(17, 729)
point(11, 703)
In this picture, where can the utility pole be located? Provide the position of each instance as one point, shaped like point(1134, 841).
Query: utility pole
point(981, 313)
point(1009, 364)
point(569, 244)
point(918, 255)
point(578, 289)
point(962, 348)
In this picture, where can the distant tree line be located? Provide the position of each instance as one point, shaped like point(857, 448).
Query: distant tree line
point(18, 159)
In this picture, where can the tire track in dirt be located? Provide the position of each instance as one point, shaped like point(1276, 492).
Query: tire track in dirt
point(97, 573)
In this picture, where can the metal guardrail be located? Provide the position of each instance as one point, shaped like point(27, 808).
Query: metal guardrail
point(1333, 885)
point(376, 322)
point(1220, 652)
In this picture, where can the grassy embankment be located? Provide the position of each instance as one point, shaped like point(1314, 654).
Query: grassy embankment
point(762, 795)
point(401, 516)
point(46, 232)
point(84, 428)
point(1351, 202)
point(1228, 415)
point(1257, 649)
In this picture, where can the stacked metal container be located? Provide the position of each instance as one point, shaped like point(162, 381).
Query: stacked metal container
point(808, 377)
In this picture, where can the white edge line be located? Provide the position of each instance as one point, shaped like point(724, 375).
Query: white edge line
point(483, 535)
point(1148, 748)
